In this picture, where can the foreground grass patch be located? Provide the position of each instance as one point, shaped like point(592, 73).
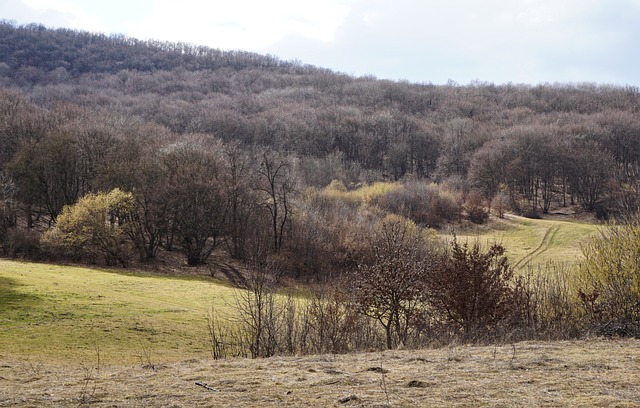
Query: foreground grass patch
point(68, 314)
point(593, 373)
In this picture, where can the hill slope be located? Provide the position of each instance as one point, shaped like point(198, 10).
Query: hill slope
point(533, 243)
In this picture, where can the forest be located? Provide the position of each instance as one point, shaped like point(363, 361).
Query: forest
point(306, 173)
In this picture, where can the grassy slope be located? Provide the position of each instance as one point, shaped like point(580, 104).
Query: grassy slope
point(68, 313)
point(533, 243)
point(74, 336)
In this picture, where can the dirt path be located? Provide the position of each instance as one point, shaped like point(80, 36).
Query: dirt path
point(547, 240)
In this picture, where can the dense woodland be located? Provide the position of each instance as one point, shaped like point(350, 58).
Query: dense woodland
point(209, 152)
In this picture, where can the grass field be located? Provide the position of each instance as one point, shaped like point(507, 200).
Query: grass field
point(67, 314)
point(534, 243)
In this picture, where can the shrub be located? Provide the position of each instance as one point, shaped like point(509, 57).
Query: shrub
point(95, 224)
point(19, 242)
point(476, 212)
point(609, 285)
point(552, 309)
point(475, 291)
point(429, 205)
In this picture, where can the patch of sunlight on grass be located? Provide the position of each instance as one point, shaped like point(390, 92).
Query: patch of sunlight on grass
point(68, 313)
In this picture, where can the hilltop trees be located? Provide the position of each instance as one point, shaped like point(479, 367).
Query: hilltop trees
point(219, 148)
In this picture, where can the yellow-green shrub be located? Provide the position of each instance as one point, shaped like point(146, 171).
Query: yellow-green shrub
point(94, 225)
point(609, 277)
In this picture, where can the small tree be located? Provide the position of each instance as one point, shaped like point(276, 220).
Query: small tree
point(95, 224)
point(500, 204)
point(259, 314)
point(389, 287)
point(277, 185)
point(195, 198)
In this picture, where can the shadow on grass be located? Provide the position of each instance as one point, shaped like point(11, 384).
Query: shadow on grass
point(10, 297)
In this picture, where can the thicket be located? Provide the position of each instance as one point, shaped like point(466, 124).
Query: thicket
point(408, 291)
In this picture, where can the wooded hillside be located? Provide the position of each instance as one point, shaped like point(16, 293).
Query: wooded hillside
point(217, 145)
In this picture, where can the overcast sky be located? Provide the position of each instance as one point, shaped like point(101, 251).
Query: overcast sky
point(499, 41)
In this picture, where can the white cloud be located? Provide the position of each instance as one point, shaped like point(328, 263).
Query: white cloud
point(493, 40)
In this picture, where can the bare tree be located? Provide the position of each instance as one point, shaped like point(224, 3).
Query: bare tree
point(277, 184)
point(390, 286)
point(238, 179)
point(258, 312)
point(197, 205)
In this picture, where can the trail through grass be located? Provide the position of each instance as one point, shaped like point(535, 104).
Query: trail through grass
point(533, 243)
point(67, 314)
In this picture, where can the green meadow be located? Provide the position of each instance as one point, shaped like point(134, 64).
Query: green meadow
point(534, 243)
point(70, 314)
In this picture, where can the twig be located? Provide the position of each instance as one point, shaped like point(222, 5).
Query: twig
point(384, 382)
point(208, 387)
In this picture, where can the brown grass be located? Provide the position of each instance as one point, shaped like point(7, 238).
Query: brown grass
point(591, 373)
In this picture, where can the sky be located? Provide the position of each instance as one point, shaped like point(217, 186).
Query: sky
point(420, 41)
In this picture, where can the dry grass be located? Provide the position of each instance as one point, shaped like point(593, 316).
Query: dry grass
point(592, 373)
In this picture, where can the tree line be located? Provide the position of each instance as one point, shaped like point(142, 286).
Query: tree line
point(79, 117)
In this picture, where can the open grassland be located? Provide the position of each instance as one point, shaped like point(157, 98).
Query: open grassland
point(591, 373)
point(534, 243)
point(65, 314)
